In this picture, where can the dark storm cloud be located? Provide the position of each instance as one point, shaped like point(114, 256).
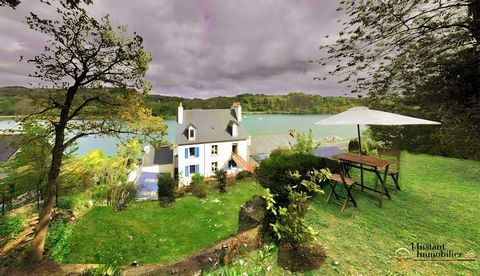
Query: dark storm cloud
point(205, 48)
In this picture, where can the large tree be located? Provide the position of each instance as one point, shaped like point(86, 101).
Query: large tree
point(398, 52)
point(99, 74)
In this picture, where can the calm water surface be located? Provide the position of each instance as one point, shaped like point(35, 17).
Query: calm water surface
point(256, 124)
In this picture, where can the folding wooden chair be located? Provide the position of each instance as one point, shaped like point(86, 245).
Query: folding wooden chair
point(394, 169)
point(338, 177)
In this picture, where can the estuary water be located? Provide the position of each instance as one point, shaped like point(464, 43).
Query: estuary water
point(256, 124)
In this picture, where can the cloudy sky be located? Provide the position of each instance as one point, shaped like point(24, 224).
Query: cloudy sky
point(203, 48)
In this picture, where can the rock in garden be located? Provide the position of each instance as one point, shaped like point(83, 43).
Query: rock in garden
point(252, 213)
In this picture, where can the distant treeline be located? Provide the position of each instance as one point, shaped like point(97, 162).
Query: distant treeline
point(293, 103)
point(16, 100)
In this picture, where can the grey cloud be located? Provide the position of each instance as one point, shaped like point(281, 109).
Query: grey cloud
point(206, 48)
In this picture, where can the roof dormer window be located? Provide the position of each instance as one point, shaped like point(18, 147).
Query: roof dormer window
point(191, 133)
point(233, 126)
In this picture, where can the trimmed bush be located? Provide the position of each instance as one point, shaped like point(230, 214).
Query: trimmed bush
point(166, 189)
point(121, 195)
point(274, 173)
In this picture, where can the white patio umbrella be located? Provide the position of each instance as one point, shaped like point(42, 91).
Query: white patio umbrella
point(364, 116)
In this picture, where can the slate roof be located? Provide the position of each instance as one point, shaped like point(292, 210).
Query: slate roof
point(163, 156)
point(7, 147)
point(212, 125)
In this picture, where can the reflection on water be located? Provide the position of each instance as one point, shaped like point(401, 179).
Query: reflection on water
point(256, 124)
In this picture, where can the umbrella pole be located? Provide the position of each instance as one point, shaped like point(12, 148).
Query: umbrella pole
point(359, 140)
point(360, 153)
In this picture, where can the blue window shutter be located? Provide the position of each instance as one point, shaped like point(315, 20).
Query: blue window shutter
point(186, 152)
point(197, 168)
point(197, 151)
point(187, 171)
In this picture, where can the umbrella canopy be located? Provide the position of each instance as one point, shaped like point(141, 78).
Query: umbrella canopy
point(364, 116)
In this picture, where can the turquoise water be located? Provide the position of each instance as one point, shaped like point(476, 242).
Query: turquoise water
point(256, 124)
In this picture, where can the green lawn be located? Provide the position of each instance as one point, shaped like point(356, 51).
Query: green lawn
point(147, 233)
point(438, 204)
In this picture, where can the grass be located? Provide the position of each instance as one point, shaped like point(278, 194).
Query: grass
point(438, 204)
point(10, 227)
point(147, 233)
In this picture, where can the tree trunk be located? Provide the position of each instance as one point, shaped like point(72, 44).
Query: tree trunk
point(41, 231)
point(48, 203)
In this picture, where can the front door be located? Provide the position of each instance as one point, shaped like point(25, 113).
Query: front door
point(234, 148)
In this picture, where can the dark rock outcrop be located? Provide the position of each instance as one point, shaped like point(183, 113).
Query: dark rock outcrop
point(252, 213)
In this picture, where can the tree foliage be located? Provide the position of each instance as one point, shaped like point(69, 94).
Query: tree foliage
point(16, 100)
point(419, 58)
point(27, 169)
point(304, 143)
point(84, 52)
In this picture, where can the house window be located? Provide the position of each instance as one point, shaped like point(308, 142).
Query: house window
point(192, 152)
point(191, 170)
point(191, 134)
point(214, 166)
point(214, 149)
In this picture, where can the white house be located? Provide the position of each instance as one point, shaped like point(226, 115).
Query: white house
point(210, 139)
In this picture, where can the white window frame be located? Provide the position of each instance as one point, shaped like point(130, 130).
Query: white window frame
point(214, 152)
point(190, 130)
point(216, 166)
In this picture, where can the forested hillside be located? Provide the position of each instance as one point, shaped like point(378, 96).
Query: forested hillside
point(17, 100)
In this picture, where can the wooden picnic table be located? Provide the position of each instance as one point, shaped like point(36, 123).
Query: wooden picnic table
point(372, 164)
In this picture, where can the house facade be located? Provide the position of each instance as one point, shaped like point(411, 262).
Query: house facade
point(209, 140)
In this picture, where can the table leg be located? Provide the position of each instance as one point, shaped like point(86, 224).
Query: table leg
point(383, 181)
point(361, 175)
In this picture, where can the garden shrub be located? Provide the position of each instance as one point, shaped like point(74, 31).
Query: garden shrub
point(197, 178)
point(121, 195)
point(199, 188)
point(221, 176)
point(244, 174)
point(369, 145)
point(274, 173)
point(59, 240)
point(102, 270)
point(66, 202)
point(180, 192)
point(100, 193)
point(166, 189)
point(288, 228)
point(77, 203)
point(10, 226)
point(304, 143)
point(281, 151)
